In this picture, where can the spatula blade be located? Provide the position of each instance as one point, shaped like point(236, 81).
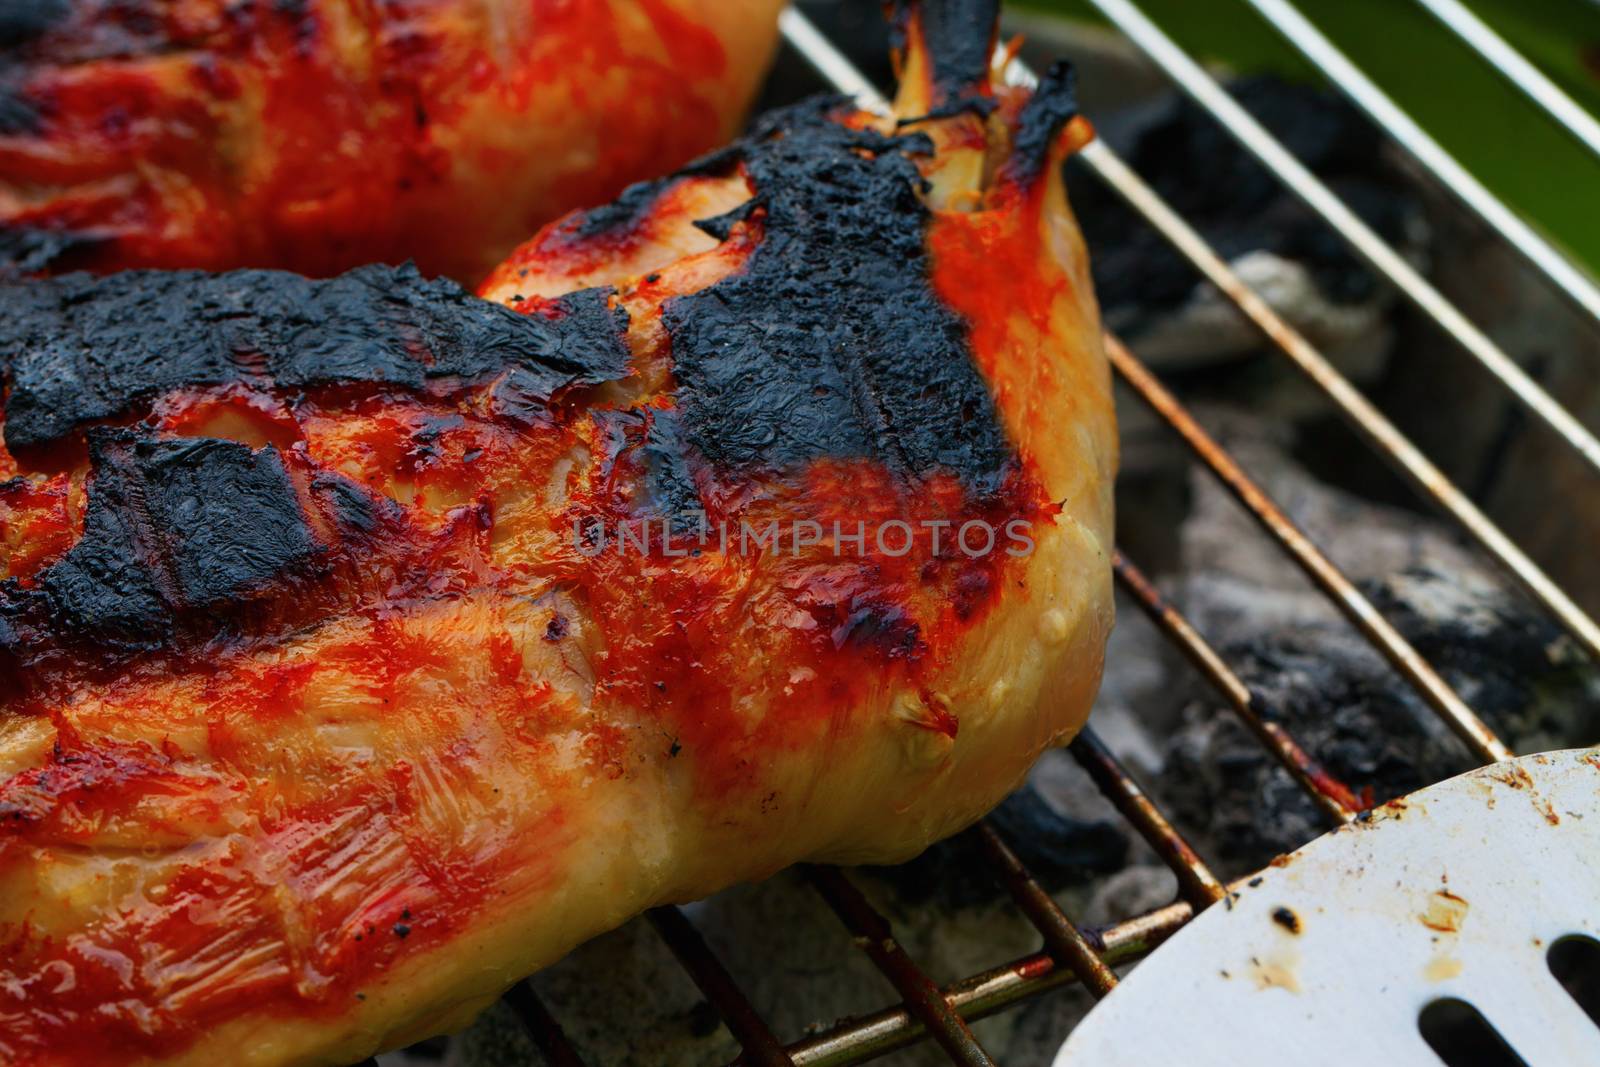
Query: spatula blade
point(1457, 891)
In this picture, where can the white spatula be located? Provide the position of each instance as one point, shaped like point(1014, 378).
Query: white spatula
point(1455, 894)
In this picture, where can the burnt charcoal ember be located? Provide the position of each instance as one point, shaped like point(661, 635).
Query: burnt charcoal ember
point(1345, 704)
point(1314, 674)
point(1335, 698)
point(1242, 210)
point(1235, 202)
point(1060, 850)
point(1515, 665)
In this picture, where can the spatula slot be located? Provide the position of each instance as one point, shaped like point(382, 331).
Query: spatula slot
point(1575, 962)
point(1462, 1037)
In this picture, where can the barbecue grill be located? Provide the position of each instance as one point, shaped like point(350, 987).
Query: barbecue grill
point(1087, 955)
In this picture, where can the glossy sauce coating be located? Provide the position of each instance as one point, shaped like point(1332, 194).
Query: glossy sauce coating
point(321, 134)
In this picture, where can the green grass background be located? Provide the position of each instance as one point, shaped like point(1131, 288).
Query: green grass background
point(1490, 127)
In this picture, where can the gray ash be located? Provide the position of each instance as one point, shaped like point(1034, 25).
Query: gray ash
point(1318, 678)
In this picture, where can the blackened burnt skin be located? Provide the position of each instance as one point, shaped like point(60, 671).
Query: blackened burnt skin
point(179, 535)
point(1046, 112)
point(828, 344)
point(22, 21)
point(634, 202)
point(959, 36)
point(25, 250)
point(82, 349)
point(18, 114)
point(831, 343)
point(173, 527)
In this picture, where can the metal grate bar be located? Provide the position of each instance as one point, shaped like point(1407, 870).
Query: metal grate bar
point(1428, 480)
point(761, 1049)
point(1196, 883)
point(1335, 798)
point(1373, 249)
point(1317, 566)
point(541, 1026)
point(923, 998)
point(1062, 939)
point(867, 1037)
point(1377, 252)
point(986, 993)
point(1311, 43)
point(1532, 81)
point(833, 65)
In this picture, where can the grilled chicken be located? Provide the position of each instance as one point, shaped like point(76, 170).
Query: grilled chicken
point(318, 135)
point(366, 644)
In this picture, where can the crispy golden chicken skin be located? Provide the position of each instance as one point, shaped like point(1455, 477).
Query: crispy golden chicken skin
point(317, 135)
point(365, 645)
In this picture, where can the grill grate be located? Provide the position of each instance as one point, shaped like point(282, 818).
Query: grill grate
point(1428, 480)
point(941, 1014)
point(1572, 282)
point(1524, 75)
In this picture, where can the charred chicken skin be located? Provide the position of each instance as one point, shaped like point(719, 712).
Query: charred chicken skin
point(318, 135)
point(332, 704)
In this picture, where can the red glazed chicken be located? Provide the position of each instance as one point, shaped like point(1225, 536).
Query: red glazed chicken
point(318, 135)
point(365, 644)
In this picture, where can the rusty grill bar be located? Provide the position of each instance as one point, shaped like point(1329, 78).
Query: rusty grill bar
point(1389, 443)
point(1196, 883)
point(1065, 942)
point(1333, 797)
point(1088, 955)
point(923, 998)
point(761, 1049)
point(541, 1026)
point(1189, 76)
